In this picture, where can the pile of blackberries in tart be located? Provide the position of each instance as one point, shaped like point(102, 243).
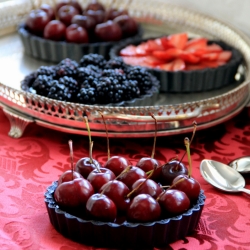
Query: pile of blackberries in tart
point(93, 80)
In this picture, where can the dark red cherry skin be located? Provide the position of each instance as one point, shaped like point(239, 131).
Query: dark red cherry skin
point(98, 179)
point(102, 208)
point(95, 5)
point(76, 34)
point(172, 169)
point(86, 22)
point(148, 187)
point(147, 164)
point(117, 191)
point(84, 166)
point(143, 208)
point(66, 13)
point(68, 175)
point(97, 15)
point(54, 30)
point(128, 25)
point(174, 202)
point(36, 21)
point(112, 13)
point(130, 177)
point(74, 3)
point(73, 194)
point(117, 164)
point(188, 185)
point(108, 31)
point(49, 10)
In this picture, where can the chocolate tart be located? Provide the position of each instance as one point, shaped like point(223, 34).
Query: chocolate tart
point(192, 80)
point(53, 51)
point(131, 235)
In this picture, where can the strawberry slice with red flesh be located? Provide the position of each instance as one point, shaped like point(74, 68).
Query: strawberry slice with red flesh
point(152, 61)
point(154, 45)
point(213, 56)
point(189, 57)
point(141, 49)
point(130, 50)
point(167, 55)
point(166, 66)
point(166, 43)
point(178, 40)
point(195, 44)
point(178, 64)
point(225, 56)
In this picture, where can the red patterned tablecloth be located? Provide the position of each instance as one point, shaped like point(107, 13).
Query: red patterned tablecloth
point(30, 164)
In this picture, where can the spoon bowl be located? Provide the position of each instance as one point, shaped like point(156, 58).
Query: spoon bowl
point(222, 176)
point(242, 164)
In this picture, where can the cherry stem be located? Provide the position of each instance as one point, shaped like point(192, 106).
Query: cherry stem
point(108, 148)
point(153, 150)
point(168, 187)
point(90, 141)
point(194, 130)
point(135, 189)
point(187, 144)
point(71, 157)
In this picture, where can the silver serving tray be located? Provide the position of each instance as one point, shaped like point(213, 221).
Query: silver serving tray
point(175, 113)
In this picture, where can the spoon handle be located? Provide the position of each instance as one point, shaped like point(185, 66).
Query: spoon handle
point(247, 191)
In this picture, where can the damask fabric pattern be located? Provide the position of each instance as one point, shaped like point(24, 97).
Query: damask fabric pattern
point(30, 164)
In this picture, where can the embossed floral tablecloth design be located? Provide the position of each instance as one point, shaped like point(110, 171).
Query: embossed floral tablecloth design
point(30, 164)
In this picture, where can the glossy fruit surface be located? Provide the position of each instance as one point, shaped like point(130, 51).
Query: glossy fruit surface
point(117, 164)
point(86, 22)
point(101, 207)
point(76, 34)
point(84, 166)
point(68, 175)
point(49, 10)
point(143, 208)
point(174, 202)
point(55, 30)
point(73, 3)
point(66, 13)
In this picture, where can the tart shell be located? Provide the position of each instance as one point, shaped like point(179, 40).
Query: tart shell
point(136, 235)
point(192, 80)
point(55, 51)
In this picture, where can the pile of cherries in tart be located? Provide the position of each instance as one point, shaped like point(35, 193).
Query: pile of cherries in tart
point(118, 191)
point(69, 21)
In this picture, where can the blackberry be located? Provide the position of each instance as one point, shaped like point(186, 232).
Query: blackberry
point(66, 67)
point(93, 59)
point(115, 63)
point(90, 82)
point(142, 76)
point(42, 84)
point(131, 90)
point(117, 74)
point(87, 96)
point(71, 85)
point(69, 62)
point(59, 92)
point(84, 73)
point(46, 70)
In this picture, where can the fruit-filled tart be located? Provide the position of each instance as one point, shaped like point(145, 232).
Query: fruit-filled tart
point(68, 29)
point(94, 81)
point(183, 64)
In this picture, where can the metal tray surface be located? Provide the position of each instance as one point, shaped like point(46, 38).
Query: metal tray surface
point(175, 113)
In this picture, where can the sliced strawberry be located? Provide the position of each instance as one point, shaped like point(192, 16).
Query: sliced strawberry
point(195, 44)
point(130, 50)
point(178, 64)
point(210, 56)
point(167, 54)
point(152, 61)
point(189, 57)
point(166, 66)
point(134, 60)
point(178, 40)
point(212, 64)
point(225, 56)
point(195, 66)
point(154, 45)
point(214, 47)
point(166, 43)
point(141, 49)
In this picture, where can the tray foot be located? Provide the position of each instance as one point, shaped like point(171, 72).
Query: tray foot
point(18, 123)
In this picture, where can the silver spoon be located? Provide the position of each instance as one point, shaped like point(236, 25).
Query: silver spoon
point(241, 164)
point(222, 176)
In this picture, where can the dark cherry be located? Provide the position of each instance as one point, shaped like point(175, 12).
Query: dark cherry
point(84, 166)
point(73, 3)
point(76, 34)
point(147, 164)
point(66, 13)
point(73, 194)
point(188, 185)
point(108, 31)
point(112, 13)
point(117, 191)
point(36, 21)
point(86, 22)
point(102, 208)
point(55, 30)
point(97, 15)
point(172, 169)
point(148, 186)
point(128, 25)
point(130, 177)
point(68, 175)
point(143, 208)
point(49, 10)
point(95, 5)
point(117, 164)
point(174, 202)
point(99, 178)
